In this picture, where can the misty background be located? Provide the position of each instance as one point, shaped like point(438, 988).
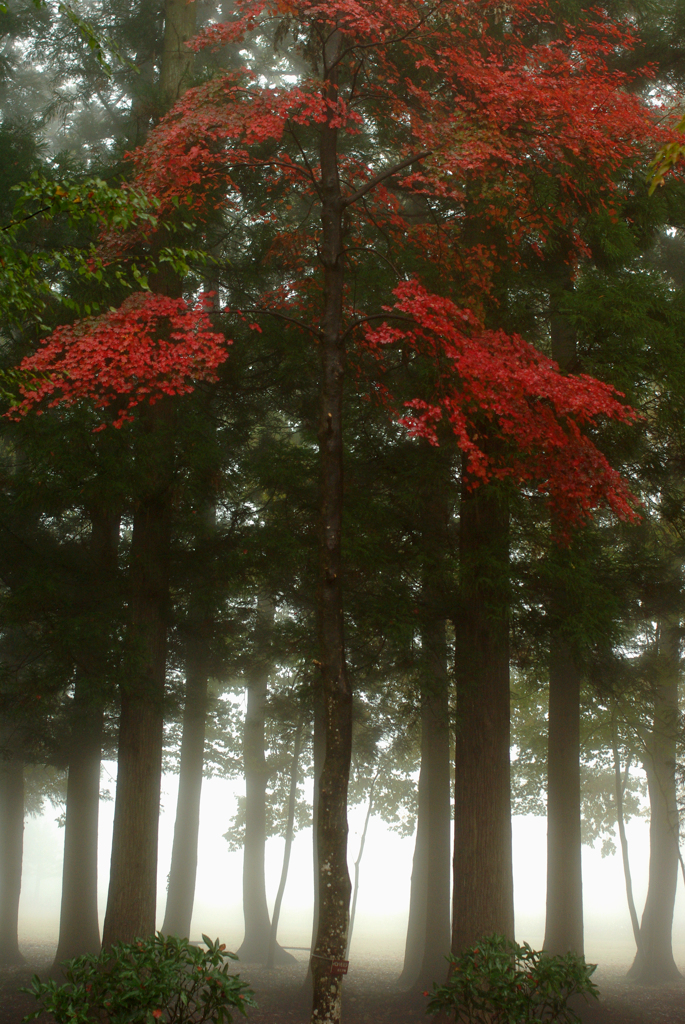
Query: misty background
point(382, 910)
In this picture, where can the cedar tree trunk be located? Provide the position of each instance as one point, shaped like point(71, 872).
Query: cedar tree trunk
point(318, 755)
point(79, 929)
point(132, 897)
point(11, 851)
point(183, 870)
point(255, 944)
point(131, 900)
point(334, 879)
point(564, 918)
point(428, 927)
point(435, 754)
point(654, 961)
point(483, 899)
point(418, 893)
point(564, 912)
point(180, 19)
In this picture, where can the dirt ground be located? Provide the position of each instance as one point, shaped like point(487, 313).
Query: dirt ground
point(370, 996)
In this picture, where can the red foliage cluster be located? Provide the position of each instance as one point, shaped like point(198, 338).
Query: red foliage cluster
point(505, 109)
point(151, 346)
point(481, 113)
point(491, 385)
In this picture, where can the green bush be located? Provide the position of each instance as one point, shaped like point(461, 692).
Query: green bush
point(500, 982)
point(160, 979)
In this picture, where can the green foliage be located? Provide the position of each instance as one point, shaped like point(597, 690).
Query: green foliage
point(157, 979)
point(666, 159)
point(94, 40)
point(500, 982)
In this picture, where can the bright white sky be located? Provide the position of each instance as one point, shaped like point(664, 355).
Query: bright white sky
point(384, 881)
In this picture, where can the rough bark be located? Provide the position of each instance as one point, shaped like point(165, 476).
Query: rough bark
point(180, 18)
point(334, 879)
point(131, 901)
point(483, 885)
point(11, 849)
point(654, 959)
point(183, 870)
point(79, 929)
point(564, 910)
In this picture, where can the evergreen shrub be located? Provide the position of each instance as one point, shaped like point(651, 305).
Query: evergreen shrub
point(500, 982)
point(159, 980)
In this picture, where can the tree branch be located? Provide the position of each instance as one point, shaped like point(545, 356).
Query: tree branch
point(281, 316)
point(377, 316)
point(387, 173)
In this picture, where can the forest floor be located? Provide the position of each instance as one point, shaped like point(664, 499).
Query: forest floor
point(370, 995)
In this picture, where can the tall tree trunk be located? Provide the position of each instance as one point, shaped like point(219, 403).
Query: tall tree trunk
point(131, 901)
point(318, 755)
point(289, 834)
point(564, 912)
point(435, 754)
point(183, 870)
point(132, 897)
point(255, 944)
point(334, 879)
point(79, 930)
point(483, 900)
point(564, 909)
point(428, 927)
point(418, 893)
point(654, 959)
point(11, 848)
point(180, 19)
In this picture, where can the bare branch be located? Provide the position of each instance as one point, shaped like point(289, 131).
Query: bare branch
point(282, 316)
point(387, 173)
point(293, 134)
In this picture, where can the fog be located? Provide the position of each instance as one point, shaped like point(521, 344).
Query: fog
point(384, 880)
